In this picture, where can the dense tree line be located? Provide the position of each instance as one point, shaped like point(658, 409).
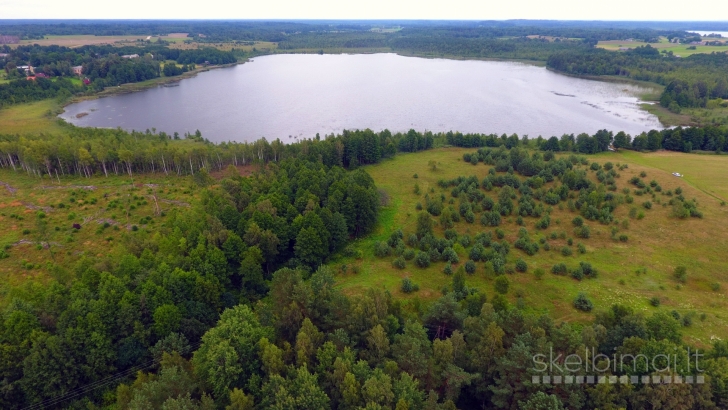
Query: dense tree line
point(281, 30)
point(42, 56)
point(690, 82)
point(685, 139)
point(102, 65)
point(89, 151)
point(22, 91)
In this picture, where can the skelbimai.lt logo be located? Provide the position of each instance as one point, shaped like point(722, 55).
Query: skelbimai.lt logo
point(592, 367)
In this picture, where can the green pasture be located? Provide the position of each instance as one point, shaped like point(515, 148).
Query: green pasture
point(657, 244)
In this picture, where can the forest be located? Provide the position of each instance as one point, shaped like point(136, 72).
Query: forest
point(229, 304)
point(690, 81)
point(103, 66)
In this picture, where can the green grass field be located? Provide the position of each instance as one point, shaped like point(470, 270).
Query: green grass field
point(89, 202)
point(80, 40)
point(31, 118)
point(657, 243)
point(681, 50)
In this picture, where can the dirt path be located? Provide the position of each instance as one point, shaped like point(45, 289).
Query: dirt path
point(9, 188)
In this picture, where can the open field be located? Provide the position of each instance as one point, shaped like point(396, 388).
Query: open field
point(678, 49)
point(81, 40)
point(657, 243)
point(104, 208)
point(31, 118)
point(259, 46)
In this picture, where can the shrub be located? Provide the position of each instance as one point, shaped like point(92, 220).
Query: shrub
point(434, 254)
point(500, 233)
point(449, 255)
point(381, 249)
point(581, 248)
point(451, 234)
point(681, 274)
point(544, 222)
point(578, 221)
point(408, 286)
point(583, 232)
point(464, 240)
point(687, 320)
point(422, 259)
point(559, 269)
point(588, 270)
point(538, 273)
point(566, 251)
point(655, 301)
point(409, 254)
point(643, 174)
point(715, 286)
point(583, 303)
point(448, 269)
point(470, 267)
point(469, 216)
point(623, 238)
point(399, 263)
point(521, 265)
point(412, 240)
point(502, 284)
point(647, 205)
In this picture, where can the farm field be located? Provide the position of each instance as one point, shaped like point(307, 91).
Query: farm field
point(260, 46)
point(81, 40)
point(678, 49)
point(630, 273)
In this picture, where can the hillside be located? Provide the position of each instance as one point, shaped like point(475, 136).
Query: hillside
point(631, 272)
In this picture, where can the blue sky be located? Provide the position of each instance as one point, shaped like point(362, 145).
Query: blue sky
point(705, 10)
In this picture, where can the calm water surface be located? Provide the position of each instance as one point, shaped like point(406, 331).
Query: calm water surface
point(723, 34)
point(294, 96)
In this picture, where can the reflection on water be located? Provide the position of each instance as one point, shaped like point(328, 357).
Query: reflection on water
point(293, 96)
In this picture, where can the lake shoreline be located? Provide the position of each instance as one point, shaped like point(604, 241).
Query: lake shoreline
point(664, 117)
point(280, 85)
point(130, 88)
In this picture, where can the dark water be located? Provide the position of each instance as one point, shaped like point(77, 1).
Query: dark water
point(293, 96)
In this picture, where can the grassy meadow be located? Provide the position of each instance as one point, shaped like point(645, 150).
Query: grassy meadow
point(80, 40)
point(682, 50)
point(105, 209)
point(657, 243)
point(31, 118)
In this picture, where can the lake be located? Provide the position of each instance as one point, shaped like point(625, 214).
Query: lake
point(723, 34)
point(298, 95)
